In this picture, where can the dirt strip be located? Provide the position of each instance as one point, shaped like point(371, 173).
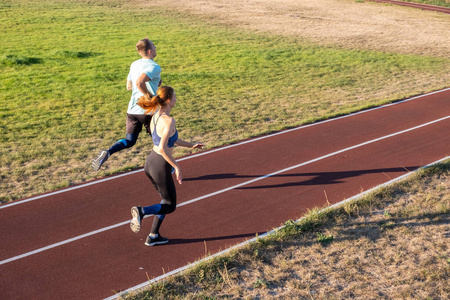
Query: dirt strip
point(339, 23)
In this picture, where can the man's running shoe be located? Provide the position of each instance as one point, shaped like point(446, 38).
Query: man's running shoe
point(156, 241)
point(137, 214)
point(102, 156)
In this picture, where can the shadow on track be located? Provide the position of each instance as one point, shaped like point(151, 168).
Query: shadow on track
point(301, 179)
point(226, 237)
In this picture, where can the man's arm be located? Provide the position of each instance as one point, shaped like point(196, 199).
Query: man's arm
point(129, 85)
point(140, 83)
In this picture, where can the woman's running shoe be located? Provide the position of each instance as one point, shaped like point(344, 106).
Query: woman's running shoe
point(156, 241)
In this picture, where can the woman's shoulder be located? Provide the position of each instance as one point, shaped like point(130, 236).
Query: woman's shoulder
point(167, 120)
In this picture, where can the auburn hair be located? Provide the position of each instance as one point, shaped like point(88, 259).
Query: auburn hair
point(150, 104)
point(144, 45)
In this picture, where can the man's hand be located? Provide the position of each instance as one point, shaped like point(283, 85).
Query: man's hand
point(140, 83)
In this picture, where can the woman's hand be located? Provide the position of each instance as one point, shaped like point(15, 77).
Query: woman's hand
point(178, 175)
point(198, 146)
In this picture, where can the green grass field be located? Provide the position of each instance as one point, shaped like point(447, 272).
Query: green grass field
point(63, 73)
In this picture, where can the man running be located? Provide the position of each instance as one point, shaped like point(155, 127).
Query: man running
point(144, 78)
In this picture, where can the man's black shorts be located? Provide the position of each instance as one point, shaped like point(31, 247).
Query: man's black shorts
point(134, 123)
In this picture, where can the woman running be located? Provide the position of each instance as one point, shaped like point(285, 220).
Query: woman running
point(160, 162)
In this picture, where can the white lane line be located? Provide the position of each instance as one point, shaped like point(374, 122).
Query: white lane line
point(63, 242)
point(227, 189)
point(181, 269)
point(219, 149)
point(311, 161)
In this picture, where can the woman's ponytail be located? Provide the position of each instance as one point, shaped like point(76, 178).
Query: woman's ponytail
point(148, 103)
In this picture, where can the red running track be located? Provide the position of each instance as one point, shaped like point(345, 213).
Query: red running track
point(76, 243)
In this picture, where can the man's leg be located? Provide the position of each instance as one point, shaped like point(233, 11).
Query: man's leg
point(134, 127)
point(103, 155)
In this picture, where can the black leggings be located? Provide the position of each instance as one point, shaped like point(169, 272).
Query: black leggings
point(134, 127)
point(159, 171)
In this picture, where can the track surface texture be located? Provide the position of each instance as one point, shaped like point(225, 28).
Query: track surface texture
point(76, 243)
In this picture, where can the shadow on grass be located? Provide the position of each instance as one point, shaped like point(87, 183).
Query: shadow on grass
point(12, 60)
point(75, 54)
point(376, 228)
point(18, 60)
point(373, 230)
